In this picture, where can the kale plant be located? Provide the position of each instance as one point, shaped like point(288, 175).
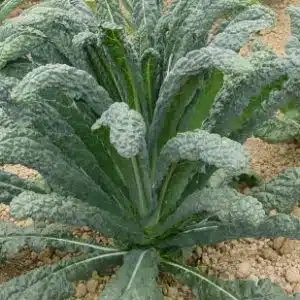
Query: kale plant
point(284, 126)
point(127, 114)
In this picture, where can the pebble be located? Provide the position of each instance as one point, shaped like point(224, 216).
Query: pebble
point(172, 291)
point(288, 247)
point(296, 212)
point(243, 270)
point(292, 275)
point(269, 253)
point(278, 242)
point(81, 290)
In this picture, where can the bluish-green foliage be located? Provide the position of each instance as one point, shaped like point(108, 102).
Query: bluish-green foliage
point(133, 117)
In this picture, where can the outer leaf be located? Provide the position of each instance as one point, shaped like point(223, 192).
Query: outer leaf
point(7, 7)
point(55, 282)
point(69, 210)
point(11, 186)
point(278, 130)
point(201, 145)
point(242, 96)
point(211, 233)
point(136, 279)
point(281, 192)
point(294, 13)
point(25, 146)
point(13, 239)
point(191, 30)
point(20, 44)
point(225, 203)
point(59, 47)
point(251, 20)
point(78, 144)
point(127, 129)
point(205, 288)
point(73, 82)
point(18, 68)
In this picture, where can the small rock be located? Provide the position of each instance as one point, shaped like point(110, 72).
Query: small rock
point(92, 285)
point(34, 256)
point(85, 236)
point(278, 242)
point(85, 228)
point(268, 253)
point(288, 247)
point(172, 291)
point(243, 270)
point(81, 290)
point(272, 213)
point(199, 251)
point(296, 289)
point(292, 275)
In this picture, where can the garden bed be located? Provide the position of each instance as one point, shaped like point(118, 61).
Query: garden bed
point(277, 259)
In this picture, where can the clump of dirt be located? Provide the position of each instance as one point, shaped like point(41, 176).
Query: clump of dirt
point(269, 160)
point(19, 170)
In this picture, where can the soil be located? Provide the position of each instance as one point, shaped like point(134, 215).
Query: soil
point(277, 259)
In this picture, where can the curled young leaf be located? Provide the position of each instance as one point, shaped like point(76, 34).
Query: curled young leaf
point(200, 145)
point(127, 129)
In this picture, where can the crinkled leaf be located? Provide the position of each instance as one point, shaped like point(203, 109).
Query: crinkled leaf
point(7, 6)
point(225, 203)
point(71, 81)
point(294, 13)
point(281, 192)
point(211, 233)
point(207, 288)
point(127, 129)
point(190, 24)
point(203, 146)
point(278, 130)
point(21, 145)
point(20, 44)
point(136, 279)
point(251, 20)
point(12, 185)
point(55, 282)
point(242, 96)
point(40, 236)
point(69, 210)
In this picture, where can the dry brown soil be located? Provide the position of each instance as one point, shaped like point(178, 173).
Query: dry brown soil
point(277, 259)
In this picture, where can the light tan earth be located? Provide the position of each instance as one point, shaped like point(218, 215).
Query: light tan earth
point(277, 259)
